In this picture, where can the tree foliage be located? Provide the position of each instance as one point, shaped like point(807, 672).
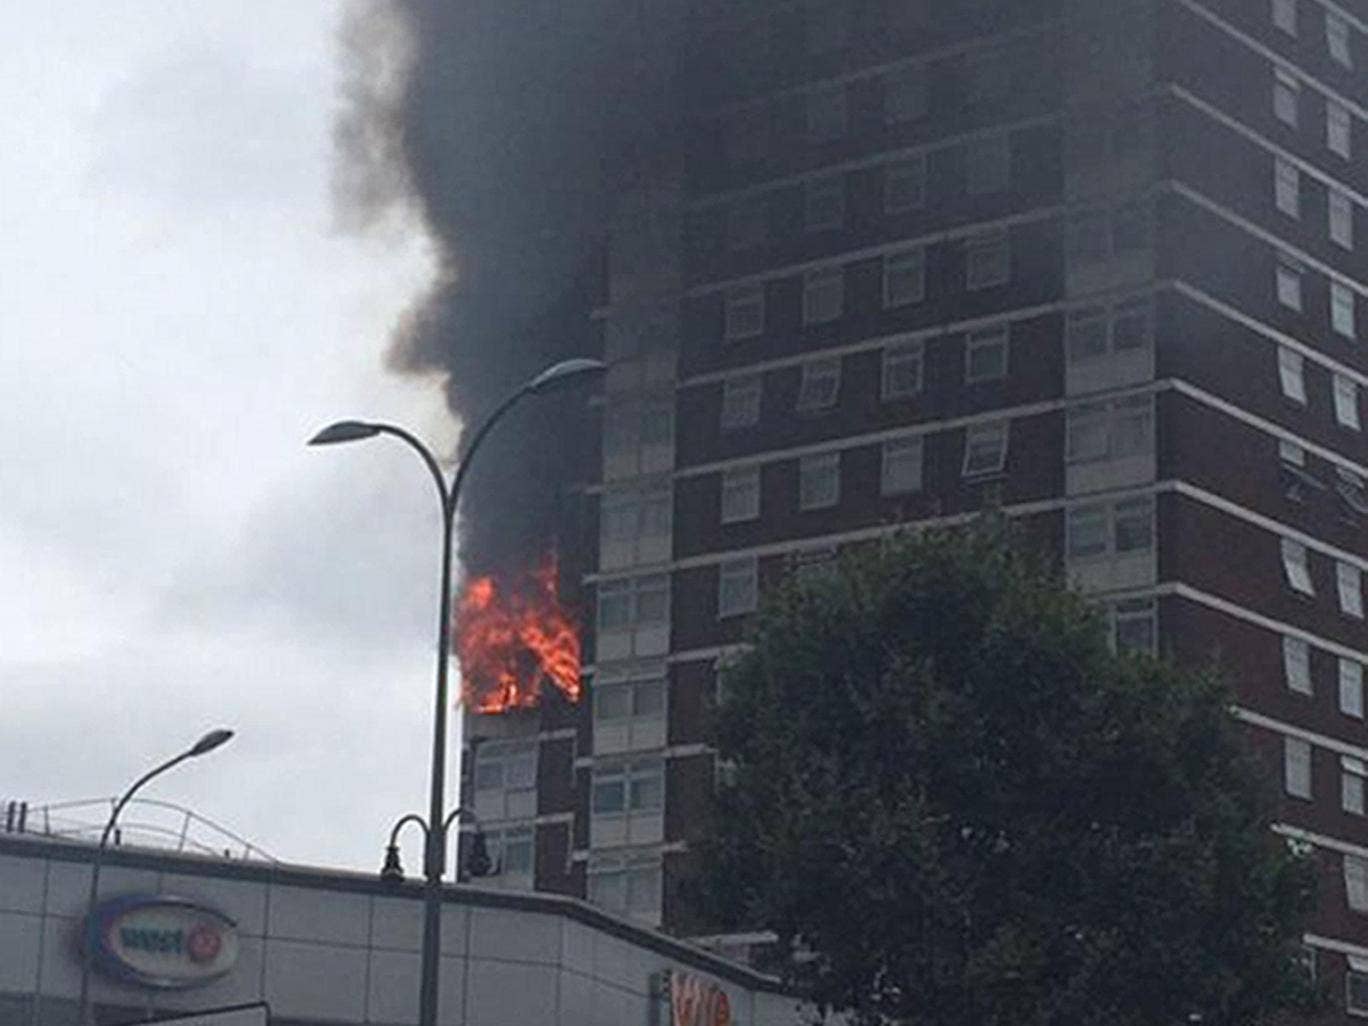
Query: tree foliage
point(955, 805)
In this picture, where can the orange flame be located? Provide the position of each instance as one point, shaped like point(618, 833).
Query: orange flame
point(509, 643)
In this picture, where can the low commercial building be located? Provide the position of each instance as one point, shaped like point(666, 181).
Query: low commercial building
point(182, 932)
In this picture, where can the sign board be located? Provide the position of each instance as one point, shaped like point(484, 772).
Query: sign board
point(159, 941)
point(695, 1001)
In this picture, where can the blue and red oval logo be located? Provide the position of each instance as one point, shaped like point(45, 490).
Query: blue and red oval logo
point(160, 941)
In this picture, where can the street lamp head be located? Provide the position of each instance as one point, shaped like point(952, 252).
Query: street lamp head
point(560, 373)
point(210, 741)
point(345, 431)
point(393, 869)
point(478, 862)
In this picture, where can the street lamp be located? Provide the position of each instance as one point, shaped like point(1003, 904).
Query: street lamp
point(436, 826)
point(203, 746)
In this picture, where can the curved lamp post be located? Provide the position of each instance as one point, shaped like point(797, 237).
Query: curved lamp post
point(436, 826)
point(203, 746)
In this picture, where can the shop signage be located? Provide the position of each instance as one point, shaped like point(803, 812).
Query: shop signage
point(159, 941)
point(695, 1001)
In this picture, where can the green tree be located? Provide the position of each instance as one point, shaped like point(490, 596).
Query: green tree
point(955, 805)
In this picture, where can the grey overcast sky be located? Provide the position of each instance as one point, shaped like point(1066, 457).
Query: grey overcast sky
point(177, 316)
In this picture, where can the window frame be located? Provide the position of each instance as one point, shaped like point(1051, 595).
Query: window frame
point(1339, 212)
point(1345, 391)
point(819, 284)
point(1292, 375)
point(1297, 768)
point(996, 431)
point(1349, 699)
point(745, 482)
point(1296, 563)
point(819, 385)
point(1297, 665)
point(1289, 275)
point(995, 336)
point(1349, 589)
point(740, 386)
point(1286, 98)
point(1287, 187)
point(819, 467)
point(991, 251)
point(743, 298)
point(898, 264)
point(887, 456)
point(908, 352)
point(1343, 310)
point(746, 571)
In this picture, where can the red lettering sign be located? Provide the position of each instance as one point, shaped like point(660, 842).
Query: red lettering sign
point(696, 1002)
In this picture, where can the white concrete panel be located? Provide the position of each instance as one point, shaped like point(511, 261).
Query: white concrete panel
point(305, 913)
point(613, 1007)
point(61, 959)
point(577, 947)
point(576, 1000)
point(21, 884)
point(68, 888)
point(612, 960)
point(315, 981)
point(243, 902)
point(393, 997)
point(512, 995)
point(455, 922)
point(242, 983)
point(116, 881)
point(20, 937)
point(397, 923)
point(515, 936)
point(451, 991)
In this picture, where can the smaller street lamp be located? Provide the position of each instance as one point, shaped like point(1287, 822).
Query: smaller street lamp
point(205, 745)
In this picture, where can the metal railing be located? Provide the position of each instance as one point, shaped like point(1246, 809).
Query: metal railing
point(154, 824)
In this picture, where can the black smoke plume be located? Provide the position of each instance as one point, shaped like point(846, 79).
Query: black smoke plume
point(507, 126)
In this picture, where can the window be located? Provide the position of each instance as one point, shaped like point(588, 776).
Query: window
point(741, 402)
point(1286, 98)
point(1349, 583)
point(1342, 309)
point(510, 854)
point(1296, 767)
point(1292, 453)
point(1289, 282)
point(1337, 131)
point(1099, 431)
point(1104, 529)
point(737, 587)
point(820, 384)
point(1088, 530)
point(824, 204)
point(1291, 375)
point(1130, 228)
point(627, 885)
point(1086, 334)
point(901, 376)
point(1341, 212)
point(1086, 241)
point(901, 470)
point(1350, 488)
point(904, 277)
point(747, 225)
point(988, 165)
point(1285, 15)
point(1295, 566)
point(743, 314)
point(1356, 882)
point(823, 295)
point(635, 526)
point(987, 261)
point(629, 712)
point(1356, 988)
point(1351, 688)
point(985, 354)
point(826, 115)
point(740, 495)
point(905, 94)
point(1351, 784)
point(1134, 526)
point(1297, 664)
point(1337, 39)
point(1346, 402)
point(506, 780)
point(905, 186)
point(985, 449)
point(1135, 626)
point(626, 800)
point(819, 480)
point(633, 604)
point(1287, 187)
